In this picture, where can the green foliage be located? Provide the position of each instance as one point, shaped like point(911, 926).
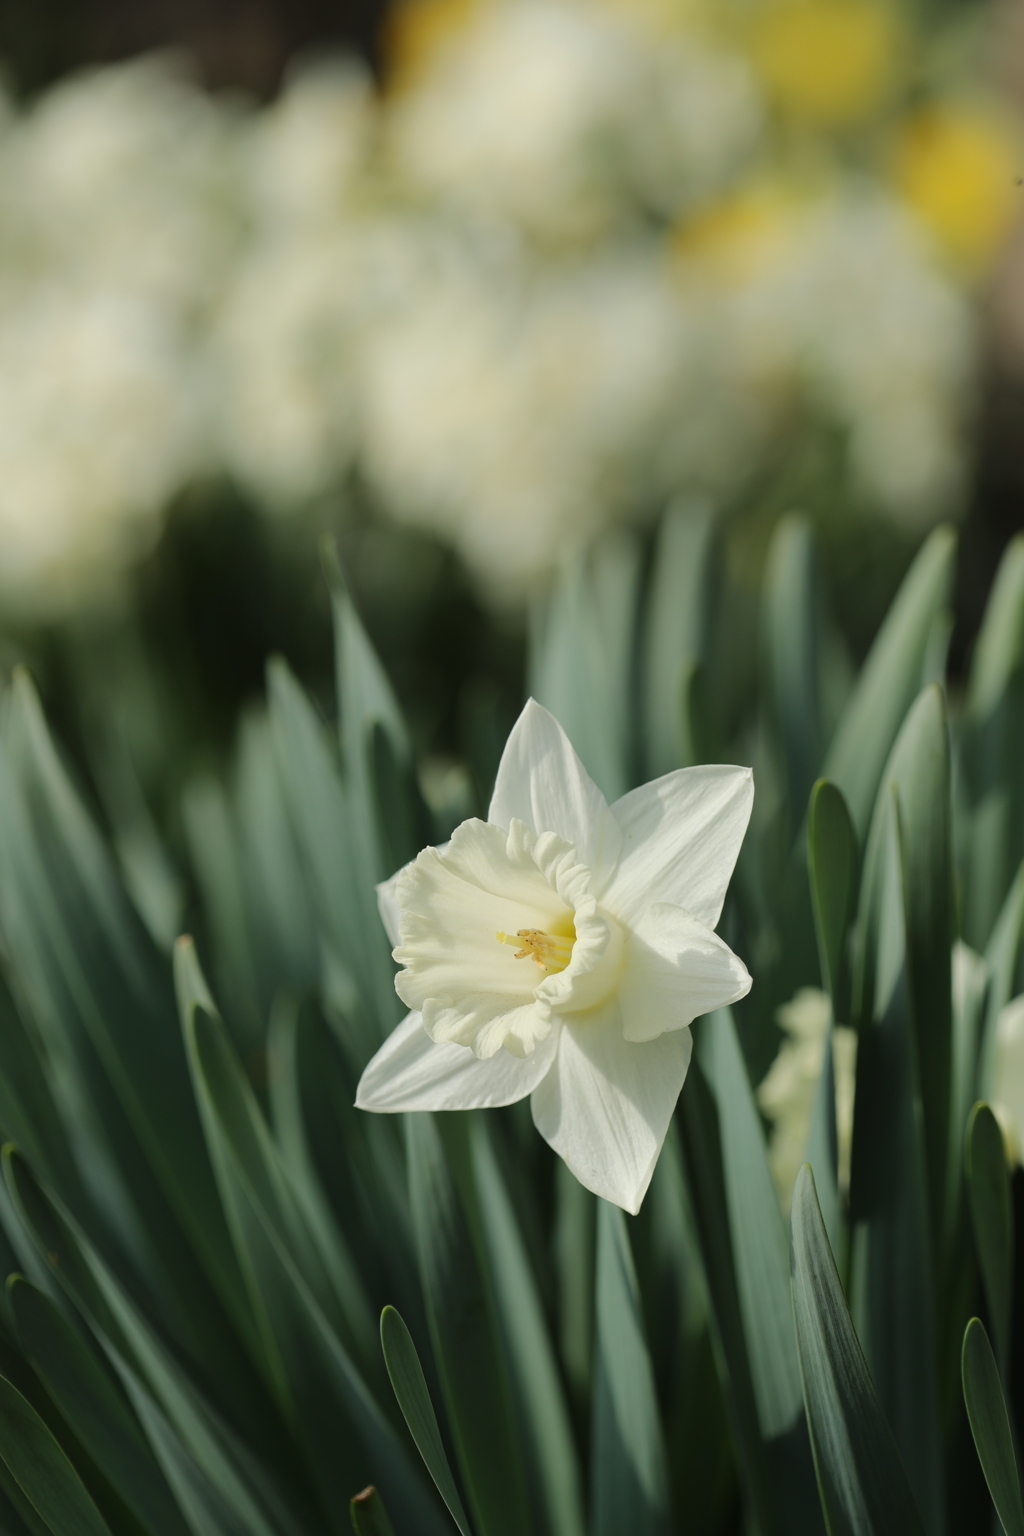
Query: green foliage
point(201, 1231)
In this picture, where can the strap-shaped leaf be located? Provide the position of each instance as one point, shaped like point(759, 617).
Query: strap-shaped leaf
point(548, 1439)
point(890, 678)
point(988, 1193)
point(579, 662)
point(990, 1426)
point(410, 1386)
point(42, 1472)
point(759, 1246)
point(833, 864)
point(701, 1138)
point(628, 1461)
point(466, 1340)
point(793, 647)
point(676, 625)
point(300, 1320)
point(94, 1407)
point(992, 736)
point(864, 1489)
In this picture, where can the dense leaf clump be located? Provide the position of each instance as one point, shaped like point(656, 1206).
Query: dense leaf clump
point(201, 1232)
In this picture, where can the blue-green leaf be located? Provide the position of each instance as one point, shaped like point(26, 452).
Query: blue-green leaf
point(410, 1388)
point(629, 1471)
point(43, 1474)
point(990, 1426)
point(988, 1194)
point(864, 1489)
point(890, 679)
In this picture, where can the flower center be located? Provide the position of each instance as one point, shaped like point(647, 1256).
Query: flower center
point(551, 951)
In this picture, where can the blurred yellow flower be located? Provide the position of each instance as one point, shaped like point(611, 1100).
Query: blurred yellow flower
point(826, 62)
point(958, 170)
point(743, 233)
point(414, 32)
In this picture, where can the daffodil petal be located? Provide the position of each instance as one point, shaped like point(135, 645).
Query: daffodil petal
point(410, 1072)
point(606, 1104)
point(542, 782)
point(486, 1022)
point(681, 837)
point(675, 969)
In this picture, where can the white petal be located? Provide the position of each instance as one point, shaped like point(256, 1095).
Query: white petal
point(485, 1022)
point(541, 781)
point(410, 1072)
point(606, 1105)
point(675, 969)
point(681, 836)
point(387, 900)
point(387, 906)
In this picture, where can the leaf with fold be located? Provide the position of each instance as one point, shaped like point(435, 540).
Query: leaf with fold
point(890, 678)
point(466, 1340)
point(863, 1487)
point(990, 1426)
point(993, 740)
point(988, 1194)
point(793, 648)
point(920, 770)
point(699, 1125)
point(579, 661)
point(410, 1387)
point(318, 806)
point(312, 1372)
point(535, 1380)
point(94, 1407)
point(629, 1466)
point(892, 1259)
point(42, 1472)
point(225, 1484)
point(676, 615)
point(834, 866)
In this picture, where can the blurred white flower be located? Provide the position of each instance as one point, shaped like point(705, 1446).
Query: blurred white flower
point(567, 118)
point(560, 950)
point(517, 405)
point(544, 284)
point(786, 1095)
point(1007, 1090)
point(837, 300)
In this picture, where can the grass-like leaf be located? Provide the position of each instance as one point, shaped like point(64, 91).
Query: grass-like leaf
point(864, 1489)
point(990, 1426)
point(410, 1388)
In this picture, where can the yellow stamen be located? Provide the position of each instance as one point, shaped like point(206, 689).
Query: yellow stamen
point(551, 951)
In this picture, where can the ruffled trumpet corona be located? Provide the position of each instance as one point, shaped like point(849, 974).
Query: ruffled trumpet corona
point(560, 949)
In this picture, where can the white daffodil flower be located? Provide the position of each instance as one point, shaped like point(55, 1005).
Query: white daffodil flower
point(560, 949)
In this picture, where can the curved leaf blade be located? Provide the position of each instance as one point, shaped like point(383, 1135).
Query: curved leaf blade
point(863, 1487)
point(990, 1426)
point(42, 1471)
point(988, 1194)
point(410, 1387)
point(629, 1462)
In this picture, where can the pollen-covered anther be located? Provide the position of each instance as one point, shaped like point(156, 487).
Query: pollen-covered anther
point(551, 951)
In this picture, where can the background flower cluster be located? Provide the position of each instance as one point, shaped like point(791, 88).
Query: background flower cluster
point(570, 259)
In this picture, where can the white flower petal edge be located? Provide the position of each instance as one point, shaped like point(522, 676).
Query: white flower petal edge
point(681, 838)
point(542, 783)
point(606, 1105)
point(410, 1072)
point(675, 970)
